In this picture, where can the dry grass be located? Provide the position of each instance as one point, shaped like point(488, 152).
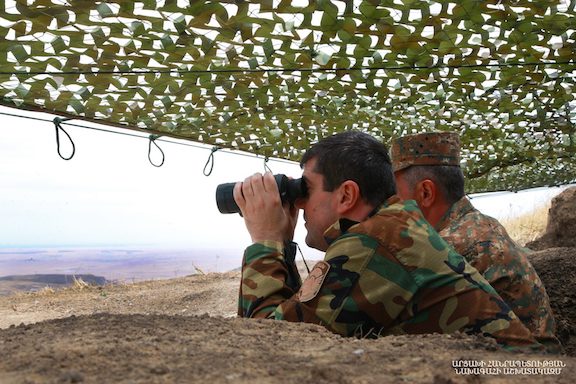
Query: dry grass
point(198, 269)
point(529, 226)
point(79, 284)
point(47, 290)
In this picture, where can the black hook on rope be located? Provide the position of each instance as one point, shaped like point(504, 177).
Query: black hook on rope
point(152, 139)
point(210, 161)
point(58, 125)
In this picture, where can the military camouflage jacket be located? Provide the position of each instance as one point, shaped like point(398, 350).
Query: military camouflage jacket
point(390, 274)
point(484, 242)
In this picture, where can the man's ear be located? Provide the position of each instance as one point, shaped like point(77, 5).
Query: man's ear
point(348, 196)
point(425, 193)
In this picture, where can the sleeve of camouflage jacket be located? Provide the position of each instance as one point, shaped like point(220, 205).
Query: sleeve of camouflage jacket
point(347, 302)
point(269, 276)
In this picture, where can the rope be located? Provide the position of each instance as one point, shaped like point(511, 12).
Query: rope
point(290, 70)
point(200, 146)
point(303, 259)
point(266, 167)
point(57, 124)
point(210, 161)
point(152, 140)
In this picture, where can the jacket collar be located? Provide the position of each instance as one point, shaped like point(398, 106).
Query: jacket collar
point(343, 225)
point(456, 211)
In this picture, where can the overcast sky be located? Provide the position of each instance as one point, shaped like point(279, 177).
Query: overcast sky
point(109, 194)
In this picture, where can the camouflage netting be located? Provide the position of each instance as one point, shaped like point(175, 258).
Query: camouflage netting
point(271, 77)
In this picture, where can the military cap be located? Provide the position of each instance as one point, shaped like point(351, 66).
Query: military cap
point(431, 148)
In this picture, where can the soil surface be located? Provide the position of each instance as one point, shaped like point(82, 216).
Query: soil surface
point(186, 330)
point(557, 270)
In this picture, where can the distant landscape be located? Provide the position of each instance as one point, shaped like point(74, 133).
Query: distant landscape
point(33, 269)
point(25, 269)
point(47, 282)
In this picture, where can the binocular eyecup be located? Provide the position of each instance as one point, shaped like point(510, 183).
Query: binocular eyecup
point(289, 189)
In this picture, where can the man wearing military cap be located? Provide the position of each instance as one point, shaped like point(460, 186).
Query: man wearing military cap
point(427, 169)
point(385, 269)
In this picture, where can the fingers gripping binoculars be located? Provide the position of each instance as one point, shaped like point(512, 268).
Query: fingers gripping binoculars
point(289, 189)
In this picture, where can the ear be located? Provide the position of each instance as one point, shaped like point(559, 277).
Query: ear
point(425, 193)
point(348, 196)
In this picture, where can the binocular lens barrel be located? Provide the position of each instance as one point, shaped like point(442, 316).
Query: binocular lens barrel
point(289, 189)
point(225, 198)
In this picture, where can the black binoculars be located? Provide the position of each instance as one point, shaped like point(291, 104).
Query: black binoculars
point(289, 189)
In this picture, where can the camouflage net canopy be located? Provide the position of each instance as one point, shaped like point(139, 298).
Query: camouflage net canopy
point(272, 77)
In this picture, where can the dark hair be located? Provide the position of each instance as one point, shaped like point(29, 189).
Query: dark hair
point(449, 179)
point(355, 156)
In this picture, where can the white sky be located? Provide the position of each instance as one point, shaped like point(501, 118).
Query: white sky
point(110, 195)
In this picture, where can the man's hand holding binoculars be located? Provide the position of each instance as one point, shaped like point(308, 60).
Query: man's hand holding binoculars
point(265, 215)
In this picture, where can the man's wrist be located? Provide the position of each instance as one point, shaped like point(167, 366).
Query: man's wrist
point(277, 245)
point(263, 237)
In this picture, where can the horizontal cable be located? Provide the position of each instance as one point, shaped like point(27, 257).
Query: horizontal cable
point(147, 137)
point(278, 70)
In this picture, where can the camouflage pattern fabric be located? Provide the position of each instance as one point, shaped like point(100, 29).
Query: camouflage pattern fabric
point(484, 242)
point(390, 274)
point(429, 148)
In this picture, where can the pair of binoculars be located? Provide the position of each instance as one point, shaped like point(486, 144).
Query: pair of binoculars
point(289, 189)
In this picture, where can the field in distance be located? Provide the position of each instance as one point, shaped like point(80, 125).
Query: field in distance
point(35, 268)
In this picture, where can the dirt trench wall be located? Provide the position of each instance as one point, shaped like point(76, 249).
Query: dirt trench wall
point(561, 226)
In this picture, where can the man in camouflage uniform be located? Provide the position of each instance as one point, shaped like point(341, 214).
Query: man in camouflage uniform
point(427, 169)
point(386, 270)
